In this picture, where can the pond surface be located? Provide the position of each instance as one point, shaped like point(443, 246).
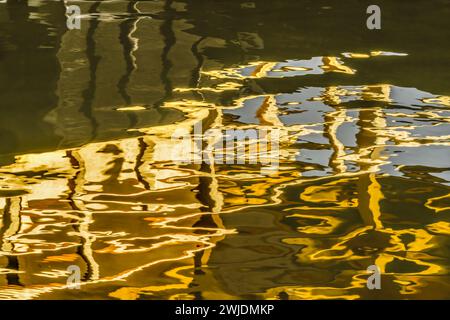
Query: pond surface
point(88, 177)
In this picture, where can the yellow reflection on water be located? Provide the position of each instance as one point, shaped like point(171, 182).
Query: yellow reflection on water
point(353, 188)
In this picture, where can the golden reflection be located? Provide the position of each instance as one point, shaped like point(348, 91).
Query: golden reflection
point(141, 220)
point(135, 176)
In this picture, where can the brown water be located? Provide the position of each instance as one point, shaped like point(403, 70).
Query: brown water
point(87, 177)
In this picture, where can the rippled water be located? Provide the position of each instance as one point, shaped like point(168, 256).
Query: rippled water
point(87, 178)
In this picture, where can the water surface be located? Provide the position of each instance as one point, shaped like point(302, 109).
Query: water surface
point(87, 176)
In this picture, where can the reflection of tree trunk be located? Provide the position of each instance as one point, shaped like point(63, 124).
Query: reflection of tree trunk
point(168, 35)
point(139, 162)
point(84, 250)
point(11, 223)
point(369, 190)
point(207, 185)
point(195, 78)
point(93, 59)
point(127, 27)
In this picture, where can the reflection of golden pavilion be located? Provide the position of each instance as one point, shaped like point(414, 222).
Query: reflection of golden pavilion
point(72, 196)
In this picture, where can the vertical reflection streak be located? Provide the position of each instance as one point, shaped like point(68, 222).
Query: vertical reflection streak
point(130, 45)
point(167, 33)
point(137, 168)
point(369, 190)
point(93, 59)
point(195, 78)
point(127, 27)
point(333, 120)
point(11, 225)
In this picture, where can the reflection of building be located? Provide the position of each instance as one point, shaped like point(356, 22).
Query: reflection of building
point(74, 81)
point(121, 209)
